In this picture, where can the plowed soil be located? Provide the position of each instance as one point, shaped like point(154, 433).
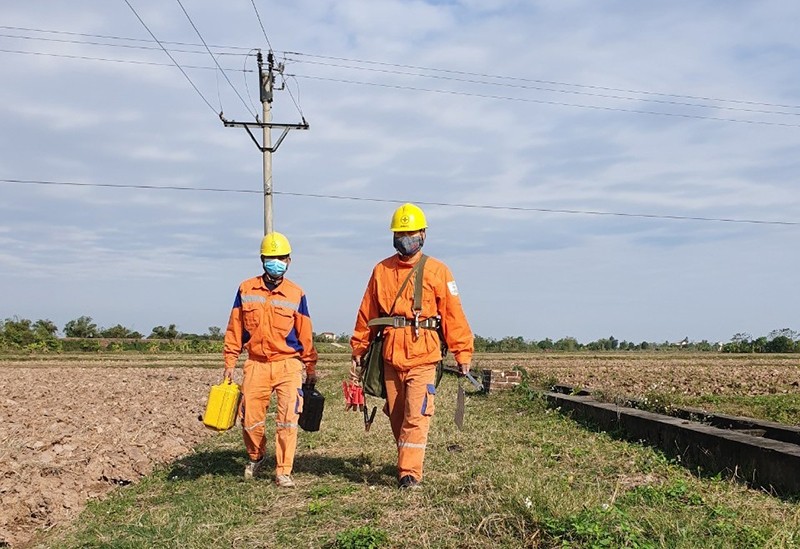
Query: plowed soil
point(71, 433)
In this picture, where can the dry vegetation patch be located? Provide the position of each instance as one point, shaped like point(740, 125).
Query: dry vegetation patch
point(637, 375)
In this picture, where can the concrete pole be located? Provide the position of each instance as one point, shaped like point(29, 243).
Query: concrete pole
point(266, 104)
point(267, 141)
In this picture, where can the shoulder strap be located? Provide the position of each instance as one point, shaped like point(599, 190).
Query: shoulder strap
point(417, 269)
point(420, 266)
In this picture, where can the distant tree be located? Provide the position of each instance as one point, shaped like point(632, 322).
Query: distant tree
point(45, 329)
point(17, 332)
point(481, 344)
point(214, 332)
point(759, 345)
point(644, 345)
point(567, 344)
point(512, 344)
point(81, 327)
point(545, 344)
point(780, 344)
point(741, 342)
point(121, 332)
point(703, 346)
point(785, 332)
point(160, 332)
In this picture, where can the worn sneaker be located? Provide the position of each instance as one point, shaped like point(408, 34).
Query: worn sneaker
point(284, 481)
point(252, 468)
point(409, 482)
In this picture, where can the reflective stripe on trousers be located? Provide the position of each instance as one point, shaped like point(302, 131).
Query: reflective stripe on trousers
point(410, 399)
point(285, 378)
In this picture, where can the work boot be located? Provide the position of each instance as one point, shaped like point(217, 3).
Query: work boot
point(284, 481)
point(409, 482)
point(253, 467)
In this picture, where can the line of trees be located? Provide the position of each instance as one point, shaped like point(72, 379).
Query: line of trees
point(82, 334)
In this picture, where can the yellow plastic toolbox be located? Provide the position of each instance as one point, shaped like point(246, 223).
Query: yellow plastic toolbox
point(223, 404)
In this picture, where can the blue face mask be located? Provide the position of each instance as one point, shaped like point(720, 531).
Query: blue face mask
point(408, 245)
point(275, 267)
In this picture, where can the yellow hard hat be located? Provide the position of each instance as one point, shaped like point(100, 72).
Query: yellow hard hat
point(408, 217)
point(275, 245)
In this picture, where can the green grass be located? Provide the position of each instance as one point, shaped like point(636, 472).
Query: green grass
point(518, 475)
point(783, 408)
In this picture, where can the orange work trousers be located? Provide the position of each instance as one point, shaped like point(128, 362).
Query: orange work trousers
point(410, 400)
point(261, 379)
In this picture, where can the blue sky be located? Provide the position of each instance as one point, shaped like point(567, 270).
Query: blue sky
point(538, 112)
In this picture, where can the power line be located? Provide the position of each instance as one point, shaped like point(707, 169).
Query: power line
point(258, 16)
point(123, 61)
point(170, 56)
point(540, 88)
point(246, 106)
point(113, 37)
point(422, 68)
point(551, 82)
point(106, 44)
point(395, 201)
point(546, 102)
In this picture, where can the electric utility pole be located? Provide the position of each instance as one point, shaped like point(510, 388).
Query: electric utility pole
point(266, 87)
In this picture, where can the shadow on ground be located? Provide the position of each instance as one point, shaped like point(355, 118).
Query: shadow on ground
point(358, 469)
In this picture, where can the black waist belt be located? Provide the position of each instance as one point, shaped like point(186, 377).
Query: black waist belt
point(431, 323)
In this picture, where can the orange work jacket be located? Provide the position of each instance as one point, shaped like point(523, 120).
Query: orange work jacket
point(270, 324)
point(439, 297)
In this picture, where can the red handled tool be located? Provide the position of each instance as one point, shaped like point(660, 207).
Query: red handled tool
point(353, 396)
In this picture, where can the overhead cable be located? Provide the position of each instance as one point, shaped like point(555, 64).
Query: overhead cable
point(396, 201)
point(546, 102)
point(540, 88)
point(123, 61)
point(258, 16)
point(423, 68)
point(246, 106)
point(111, 45)
point(552, 82)
point(114, 37)
point(172, 58)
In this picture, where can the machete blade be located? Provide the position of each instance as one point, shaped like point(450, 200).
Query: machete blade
point(459, 417)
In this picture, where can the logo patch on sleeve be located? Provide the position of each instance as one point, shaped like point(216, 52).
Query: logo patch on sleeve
point(452, 287)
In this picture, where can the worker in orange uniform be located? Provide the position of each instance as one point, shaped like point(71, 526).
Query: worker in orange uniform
point(270, 320)
point(412, 347)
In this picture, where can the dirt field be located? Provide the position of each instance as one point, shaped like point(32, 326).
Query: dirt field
point(75, 428)
point(70, 433)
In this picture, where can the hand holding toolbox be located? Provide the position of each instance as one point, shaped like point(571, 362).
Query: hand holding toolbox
point(222, 406)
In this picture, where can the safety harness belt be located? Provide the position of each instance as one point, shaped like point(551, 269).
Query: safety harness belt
point(432, 323)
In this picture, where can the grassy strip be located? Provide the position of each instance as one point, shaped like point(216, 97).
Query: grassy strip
point(518, 475)
point(781, 408)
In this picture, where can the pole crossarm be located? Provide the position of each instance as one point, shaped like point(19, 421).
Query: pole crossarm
point(247, 125)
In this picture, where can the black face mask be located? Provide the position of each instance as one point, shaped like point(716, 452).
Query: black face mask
point(408, 245)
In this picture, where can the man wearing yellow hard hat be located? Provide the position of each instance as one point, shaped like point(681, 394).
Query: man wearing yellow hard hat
point(412, 344)
point(270, 319)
